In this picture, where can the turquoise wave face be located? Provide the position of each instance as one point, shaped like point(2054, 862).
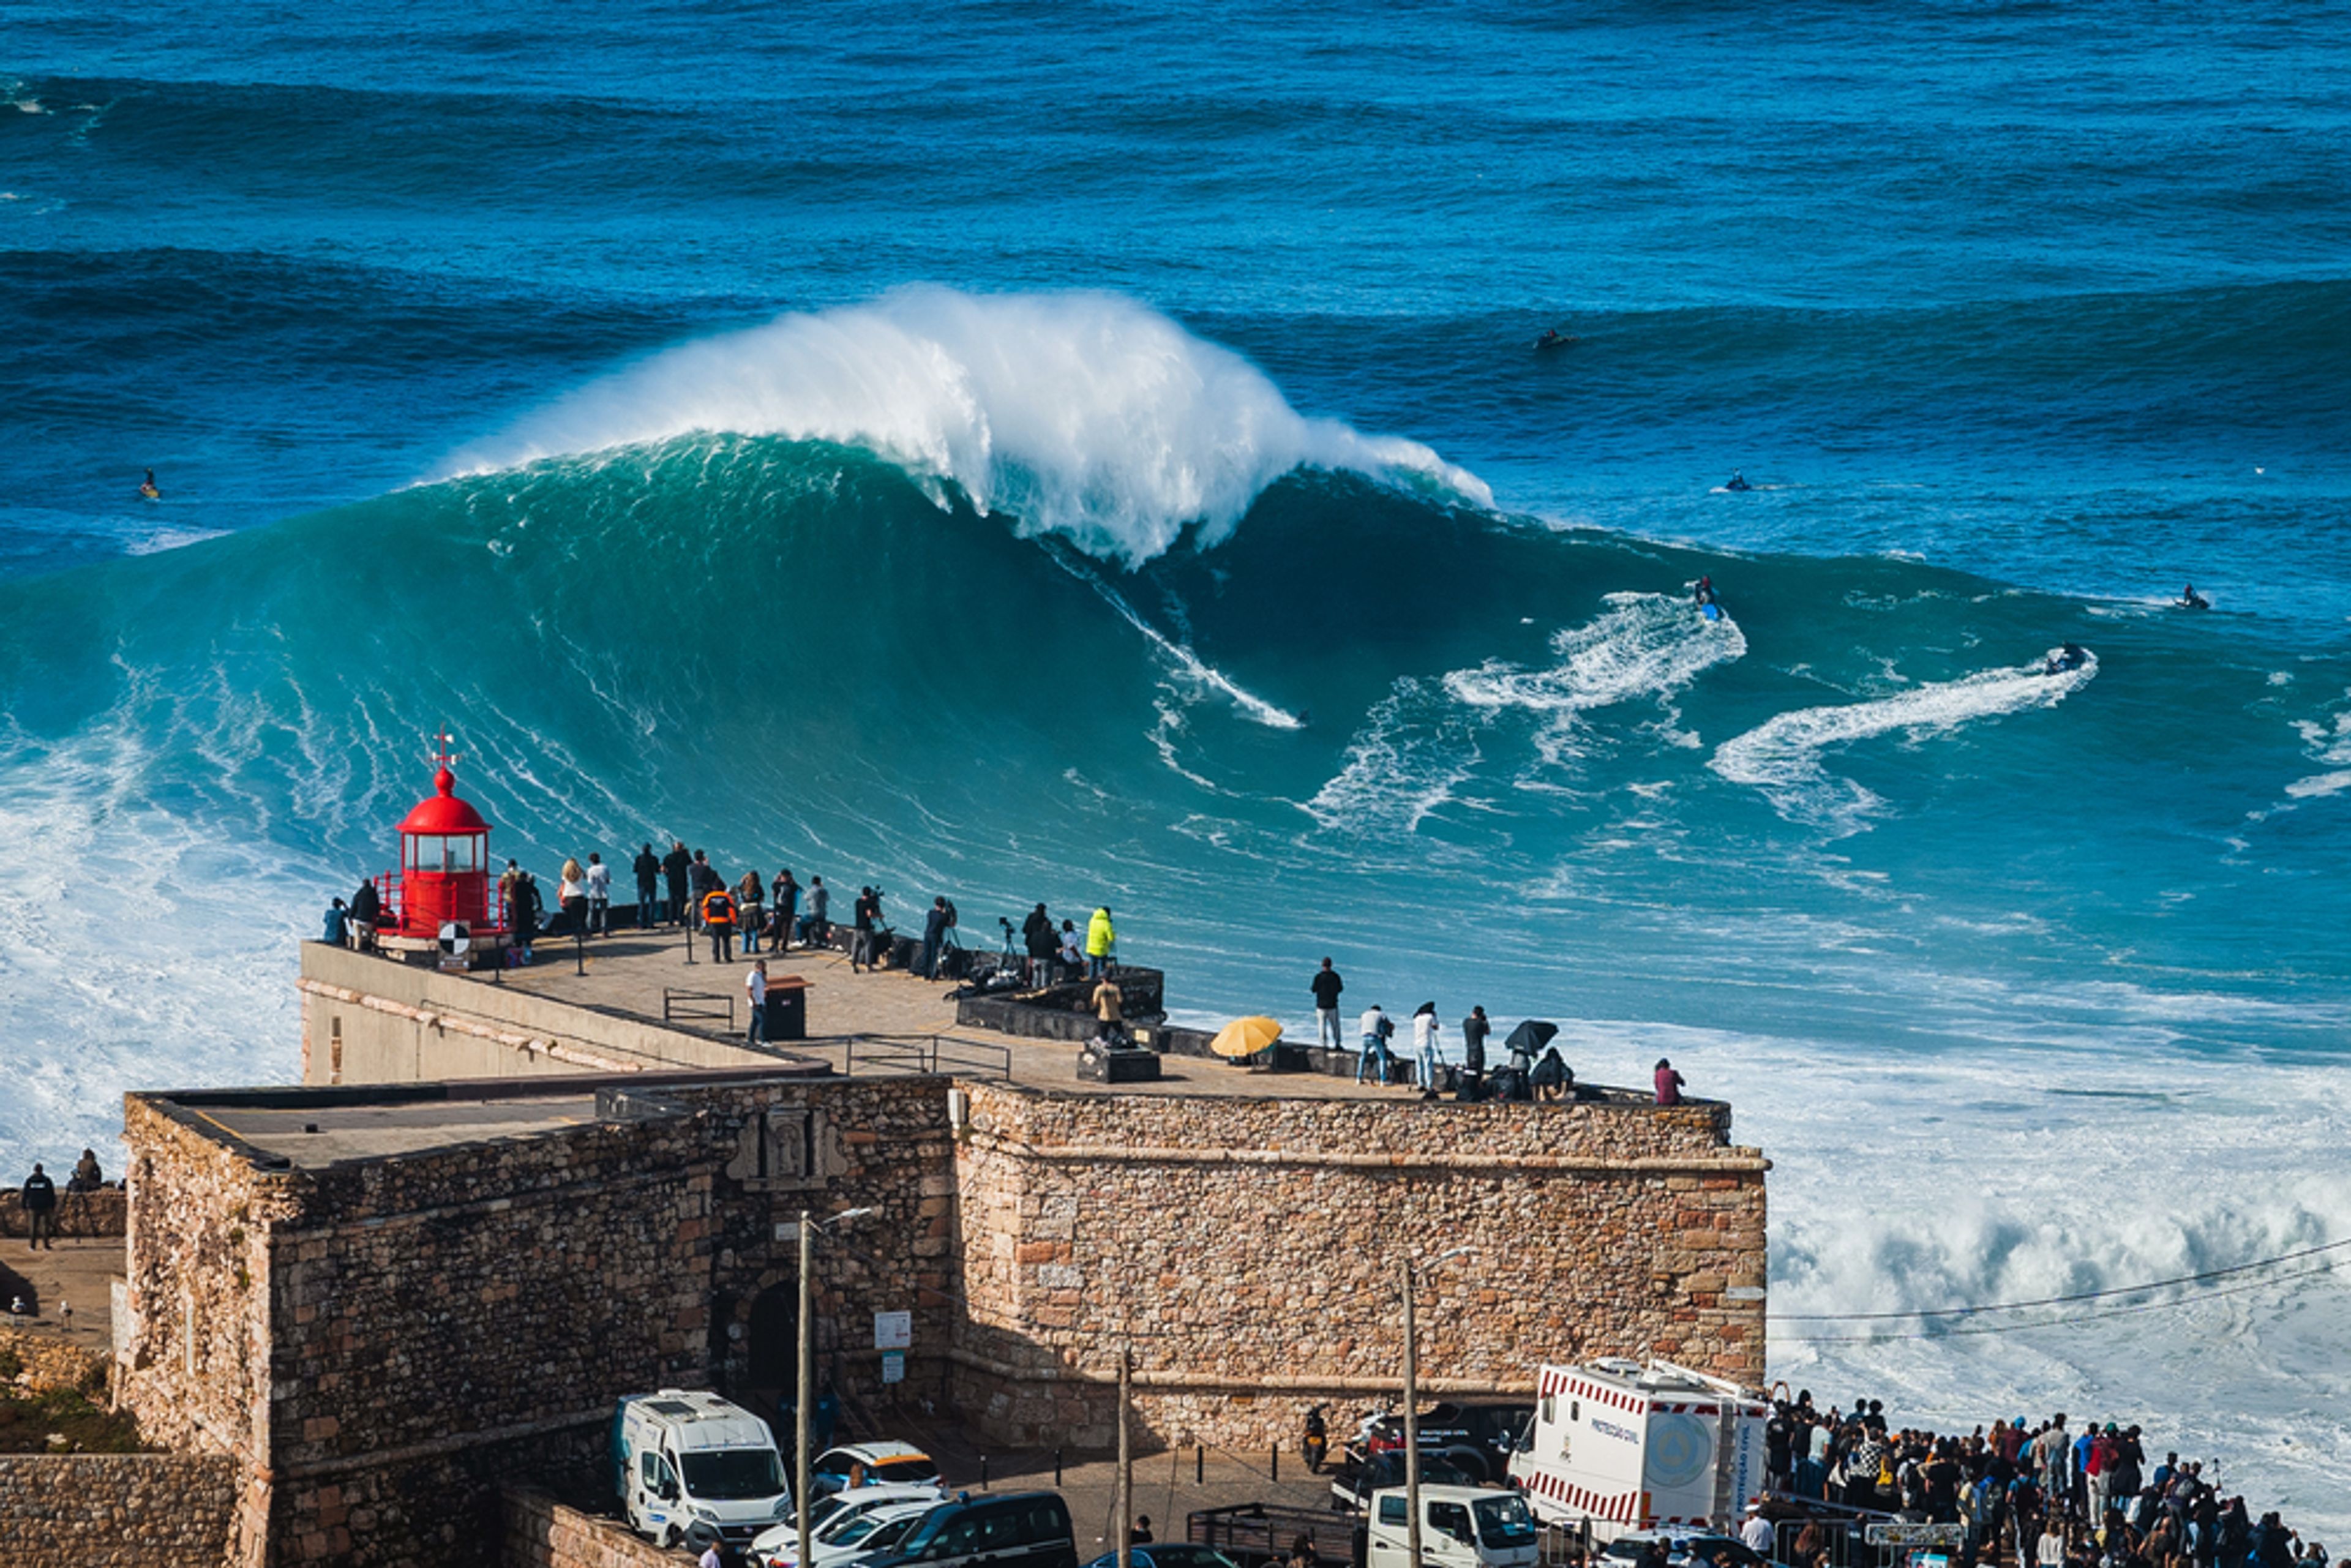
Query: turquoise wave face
point(1858, 805)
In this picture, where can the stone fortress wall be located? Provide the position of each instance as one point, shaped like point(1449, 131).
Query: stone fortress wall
point(383, 1340)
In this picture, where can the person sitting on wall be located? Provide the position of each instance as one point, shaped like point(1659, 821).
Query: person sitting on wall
point(86, 1176)
point(1669, 1084)
point(336, 930)
point(1552, 1075)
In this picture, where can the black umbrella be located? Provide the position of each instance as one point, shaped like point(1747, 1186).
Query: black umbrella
point(1530, 1036)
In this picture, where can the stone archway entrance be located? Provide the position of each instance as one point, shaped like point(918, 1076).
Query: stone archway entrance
point(771, 1347)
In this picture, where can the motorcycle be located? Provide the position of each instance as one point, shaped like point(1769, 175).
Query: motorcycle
point(1318, 1441)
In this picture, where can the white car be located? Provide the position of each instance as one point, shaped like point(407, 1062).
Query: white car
point(856, 1466)
point(850, 1530)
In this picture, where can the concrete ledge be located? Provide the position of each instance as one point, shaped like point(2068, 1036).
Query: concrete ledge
point(541, 1533)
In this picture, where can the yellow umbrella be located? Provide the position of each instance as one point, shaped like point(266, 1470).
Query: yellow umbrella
point(1245, 1037)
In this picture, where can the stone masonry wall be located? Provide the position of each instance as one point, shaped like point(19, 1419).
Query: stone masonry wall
point(43, 1363)
point(415, 1332)
point(193, 1349)
point(1252, 1250)
point(115, 1511)
point(79, 1214)
point(540, 1532)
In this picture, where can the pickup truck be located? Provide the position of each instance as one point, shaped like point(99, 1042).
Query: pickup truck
point(1461, 1526)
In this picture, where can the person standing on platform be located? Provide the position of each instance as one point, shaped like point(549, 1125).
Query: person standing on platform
point(718, 920)
point(648, 868)
point(1036, 937)
point(675, 867)
point(39, 1198)
point(755, 988)
point(1101, 943)
point(785, 891)
point(1327, 985)
point(750, 910)
point(934, 936)
point(599, 897)
point(820, 912)
point(1424, 1029)
point(571, 897)
point(1376, 1026)
point(864, 916)
point(1474, 1031)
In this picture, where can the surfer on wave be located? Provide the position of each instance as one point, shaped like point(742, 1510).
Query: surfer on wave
point(147, 490)
point(1703, 596)
point(2191, 599)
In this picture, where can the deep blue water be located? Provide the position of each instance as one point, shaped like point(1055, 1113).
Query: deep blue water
point(1142, 403)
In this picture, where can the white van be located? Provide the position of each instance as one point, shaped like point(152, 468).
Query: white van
point(1629, 1447)
point(692, 1469)
point(1460, 1527)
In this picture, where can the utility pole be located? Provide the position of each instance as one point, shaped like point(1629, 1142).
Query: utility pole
point(1411, 1428)
point(807, 1368)
point(1125, 1457)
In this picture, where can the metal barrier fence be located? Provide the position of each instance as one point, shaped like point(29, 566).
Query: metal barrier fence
point(697, 1007)
point(926, 1054)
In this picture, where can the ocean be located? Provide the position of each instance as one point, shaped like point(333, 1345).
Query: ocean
point(1097, 454)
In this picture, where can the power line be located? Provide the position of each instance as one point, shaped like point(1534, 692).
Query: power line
point(2326, 1267)
point(2065, 1300)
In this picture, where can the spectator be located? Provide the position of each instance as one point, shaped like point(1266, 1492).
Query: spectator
point(750, 910)
point(571, 897)
point(1756, 1533)
point(755, 988)
point(85, 1177)
point(366, 912)
point(785, 892)
point(702, 879)
point(1474, 1031)
point(1107, 1001)
point(1327, 985)
point(676, 865)
point(935, 935)
point(1101, 942)
point(819, 923)
point(648, 867)
point(337, 925)
point(1552, 1075)
point(1072, 954)
point(599, 897)
point(1669, 1084)
point(863, 915)
point(1424, 1030)
point(522, 913)
point(39, 1198)
point(717, 911)
point(1376, 1026)
point(1037, 938)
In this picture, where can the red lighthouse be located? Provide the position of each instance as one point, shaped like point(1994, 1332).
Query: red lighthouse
point(445, 858)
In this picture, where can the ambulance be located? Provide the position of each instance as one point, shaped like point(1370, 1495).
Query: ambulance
point(1632, 1446)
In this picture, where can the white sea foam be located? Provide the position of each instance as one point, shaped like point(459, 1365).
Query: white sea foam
point(1782, 756)
point(1401, 764)
point(2329, 743)
point(1083, 415)
point(1644, 645)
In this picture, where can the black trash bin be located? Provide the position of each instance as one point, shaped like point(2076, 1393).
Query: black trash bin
point(788, 1008)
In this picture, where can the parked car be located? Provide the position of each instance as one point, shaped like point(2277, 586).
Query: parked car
point(1020, 1529)
point(870, 1465)
point(829, 1506)
point(848, 1530)
point(1476, 1437)
point(1362, 1475)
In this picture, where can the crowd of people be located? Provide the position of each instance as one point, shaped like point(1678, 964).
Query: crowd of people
point(2051, 1495)
point(1531, 1068)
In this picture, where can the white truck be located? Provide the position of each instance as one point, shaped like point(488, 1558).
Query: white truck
point(1460, 1527)
point(692, 1469)
point(1632, 1446)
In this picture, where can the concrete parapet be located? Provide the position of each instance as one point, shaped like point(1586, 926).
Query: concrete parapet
point(541, 1533)
point(79, 1214)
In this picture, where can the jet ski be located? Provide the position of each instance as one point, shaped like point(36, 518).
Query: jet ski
point(2071, 657)
point(1555, 339)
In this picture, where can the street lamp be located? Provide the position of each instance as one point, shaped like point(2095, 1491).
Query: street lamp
point(808, 1369)
point(1411, 1407)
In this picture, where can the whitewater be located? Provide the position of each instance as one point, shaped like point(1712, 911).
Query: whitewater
point(1033, 454)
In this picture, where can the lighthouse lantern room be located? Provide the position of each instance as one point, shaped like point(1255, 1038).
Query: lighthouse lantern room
point(445, 858)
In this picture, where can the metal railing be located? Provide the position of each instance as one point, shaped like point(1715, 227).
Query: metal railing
point(927, 1054)
point(697, 1007)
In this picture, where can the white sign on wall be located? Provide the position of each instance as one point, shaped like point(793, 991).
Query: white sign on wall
point(892, 1330)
